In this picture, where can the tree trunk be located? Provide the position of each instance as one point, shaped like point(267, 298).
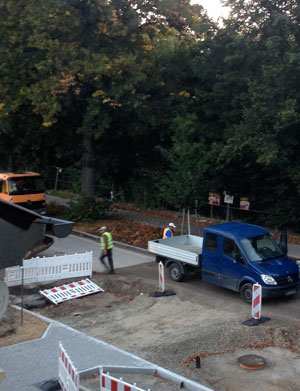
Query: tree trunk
point(88, 169)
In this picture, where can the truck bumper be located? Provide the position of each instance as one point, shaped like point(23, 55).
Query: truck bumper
point(275, 291)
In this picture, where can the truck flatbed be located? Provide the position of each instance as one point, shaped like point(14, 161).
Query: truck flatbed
point(184, 248)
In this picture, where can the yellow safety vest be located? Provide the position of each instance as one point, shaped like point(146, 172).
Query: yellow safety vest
point(110, 243)
point(165, 233)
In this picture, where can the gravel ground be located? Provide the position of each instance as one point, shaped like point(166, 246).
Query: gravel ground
point(171, 332)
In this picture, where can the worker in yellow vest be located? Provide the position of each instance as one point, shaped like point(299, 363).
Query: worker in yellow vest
point(106, 248)
point(169, 231)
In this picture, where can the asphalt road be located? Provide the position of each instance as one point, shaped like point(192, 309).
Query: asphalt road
point(140, 264)
point(73, 244)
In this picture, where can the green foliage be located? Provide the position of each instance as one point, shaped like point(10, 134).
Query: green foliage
point(55, 210)
point(154, 99)
point(85, 209)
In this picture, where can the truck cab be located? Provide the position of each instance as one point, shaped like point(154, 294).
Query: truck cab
point(26, 189)
point(237, 255)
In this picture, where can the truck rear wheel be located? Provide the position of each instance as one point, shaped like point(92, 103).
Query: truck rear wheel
point(175, 272)
point(246, 293)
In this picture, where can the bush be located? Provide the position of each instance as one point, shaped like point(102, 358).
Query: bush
point(86, 209)
point(55, 210)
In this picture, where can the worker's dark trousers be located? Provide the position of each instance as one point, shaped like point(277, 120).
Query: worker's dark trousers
point(110, 260)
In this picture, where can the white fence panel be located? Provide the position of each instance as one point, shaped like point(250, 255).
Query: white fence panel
point(71, 291)
point(50, 269)
point(13, 275)
point(109, 383)
point(65, 266)
point(67, 374)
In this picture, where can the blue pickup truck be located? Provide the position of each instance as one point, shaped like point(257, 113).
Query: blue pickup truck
point(233, 255)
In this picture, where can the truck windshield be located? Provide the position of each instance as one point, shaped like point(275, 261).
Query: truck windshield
point(261, 248)
point(26, 185)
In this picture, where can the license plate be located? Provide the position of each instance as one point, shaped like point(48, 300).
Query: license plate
point(290, 293)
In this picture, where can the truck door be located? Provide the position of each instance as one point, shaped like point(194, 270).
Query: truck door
point(232, 264)
point(210, 265)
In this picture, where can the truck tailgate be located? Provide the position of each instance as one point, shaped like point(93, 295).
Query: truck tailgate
point(183, 248)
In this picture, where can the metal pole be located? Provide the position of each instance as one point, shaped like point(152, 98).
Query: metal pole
point(188, 221)
point(182, 223)
point(196, 214)
point(22, 295)
point(227, 212)
point(56, 178)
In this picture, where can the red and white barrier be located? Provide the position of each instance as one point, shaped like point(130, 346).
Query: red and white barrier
point(68, 376)
point(256, 301)
point(109, 383)
point(50, 269)
point(71, 291)
point(161, 274)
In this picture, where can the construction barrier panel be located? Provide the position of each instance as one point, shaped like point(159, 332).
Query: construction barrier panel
point(68, 376)
point(161, 274)
point(109, 383)
point(256, 301)
point(49, 269)
point(71, 291)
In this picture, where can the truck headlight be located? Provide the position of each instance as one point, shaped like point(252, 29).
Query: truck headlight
point(268, 280)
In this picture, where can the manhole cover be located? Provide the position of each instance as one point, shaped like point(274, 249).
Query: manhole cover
point(252, 361)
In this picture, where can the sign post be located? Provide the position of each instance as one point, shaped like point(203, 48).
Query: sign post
point(256, 307)
point(161, 283)
point(161, 274)
point(228, 199)
point(256, 301)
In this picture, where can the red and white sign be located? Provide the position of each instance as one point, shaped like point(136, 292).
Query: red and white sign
point(109, 383)
point(71, 291)
point(67, 374)
point(161, 273)
point(256, 301)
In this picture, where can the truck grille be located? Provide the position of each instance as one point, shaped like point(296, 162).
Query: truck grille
point(290, 279)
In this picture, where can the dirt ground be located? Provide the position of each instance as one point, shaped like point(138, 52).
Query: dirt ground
point(16, 327)
point(172, 331)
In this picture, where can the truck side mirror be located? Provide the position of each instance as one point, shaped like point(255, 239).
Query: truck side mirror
point(239, 259)
point(283, 240)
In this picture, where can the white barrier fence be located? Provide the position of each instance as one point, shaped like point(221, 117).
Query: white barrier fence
point(49, 269)
point(67, 374)
point(109, 383)
point(71, 291)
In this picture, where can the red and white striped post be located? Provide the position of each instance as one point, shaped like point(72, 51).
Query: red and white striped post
point(161, 274)
point(256, 301)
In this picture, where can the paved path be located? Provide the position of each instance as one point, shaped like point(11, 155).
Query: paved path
point(30, 363)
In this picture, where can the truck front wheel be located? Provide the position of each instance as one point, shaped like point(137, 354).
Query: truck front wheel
point(246, 293)
point(175, 272)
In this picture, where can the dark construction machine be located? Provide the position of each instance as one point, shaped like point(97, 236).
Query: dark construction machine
point(23, 234)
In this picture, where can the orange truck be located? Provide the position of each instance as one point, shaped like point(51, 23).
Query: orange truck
point(25, 189)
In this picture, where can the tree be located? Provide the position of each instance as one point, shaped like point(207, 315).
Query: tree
point(80, 64)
